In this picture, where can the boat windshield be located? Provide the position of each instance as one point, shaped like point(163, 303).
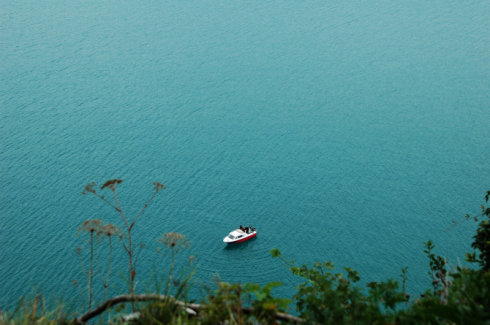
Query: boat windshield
point(231, 236)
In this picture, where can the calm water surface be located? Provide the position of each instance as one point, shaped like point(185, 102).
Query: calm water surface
point(344, 131)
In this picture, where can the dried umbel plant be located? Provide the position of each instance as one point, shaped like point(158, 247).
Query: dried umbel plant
point(176, 242)
point(109, 231)
point(112, 185)
point(158, 186)
point(92, 226)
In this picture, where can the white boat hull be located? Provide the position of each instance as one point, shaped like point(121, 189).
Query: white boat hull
point(238, 236)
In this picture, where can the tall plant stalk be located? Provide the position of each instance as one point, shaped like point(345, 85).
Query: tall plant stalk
point(175, 242)
point(92, 227)
point(108, 231)
point(91, 271)
point(106, 284)
point(171, 271)
point(112, 185)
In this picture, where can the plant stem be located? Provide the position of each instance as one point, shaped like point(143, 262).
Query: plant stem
point(106, 284)
point(171, 272)
point(132, 273)
point(91, 272)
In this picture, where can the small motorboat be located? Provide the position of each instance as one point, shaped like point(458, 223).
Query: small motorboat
point(241, 234)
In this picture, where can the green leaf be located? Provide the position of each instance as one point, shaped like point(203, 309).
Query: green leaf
point(275, 252)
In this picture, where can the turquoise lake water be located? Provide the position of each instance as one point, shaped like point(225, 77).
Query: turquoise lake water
point(344, 131)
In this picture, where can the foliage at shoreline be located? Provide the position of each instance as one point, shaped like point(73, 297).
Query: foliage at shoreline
point(325, 295)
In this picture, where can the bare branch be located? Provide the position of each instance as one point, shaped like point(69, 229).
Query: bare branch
point(119, 209)
point(128, 298)
point(107, 202)
point(125, 247)
point(152, 297)
point(143, 209)
point(158, 187)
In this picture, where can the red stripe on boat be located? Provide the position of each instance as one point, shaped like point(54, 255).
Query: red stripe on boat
point(244, 239)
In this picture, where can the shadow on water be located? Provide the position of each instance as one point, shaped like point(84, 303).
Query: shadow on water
point(240, 246)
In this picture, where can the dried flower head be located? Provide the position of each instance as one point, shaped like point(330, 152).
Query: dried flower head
point(89, 188)
point(158, 186)
point(174, 240)
point(91, 225)
point(112, 184)
point(109, 230)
